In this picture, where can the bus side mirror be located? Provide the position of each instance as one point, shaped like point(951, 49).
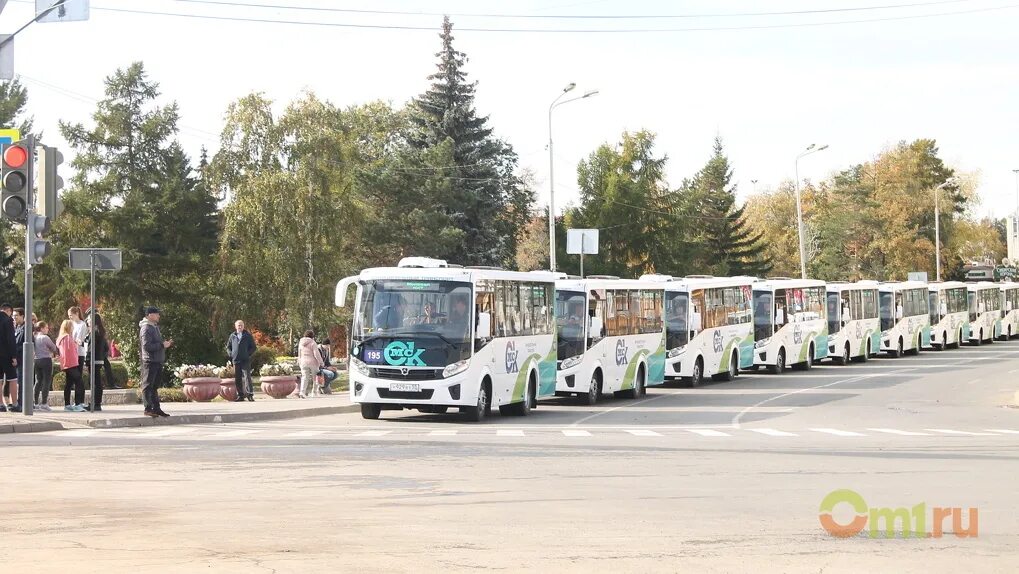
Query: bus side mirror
point(594, 328)
point(484, 330)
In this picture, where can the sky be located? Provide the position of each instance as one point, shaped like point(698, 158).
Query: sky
point(769, 85)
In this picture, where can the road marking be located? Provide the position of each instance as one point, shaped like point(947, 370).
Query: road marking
point(374, 433)
point(973, 381)
point(305, 433)
point(1013, 371)
point(736, 419)
point(772, 432)
point(1006, 431)
point(234, 433)
point(168, 432)
point(900, 432)
point(623, 406)
point(707, 432)
point(442, 433)
point(838, 432)
point(576, 433)
point(79, 432)
point(642, 432)
point(962, 432)
point(509, 432)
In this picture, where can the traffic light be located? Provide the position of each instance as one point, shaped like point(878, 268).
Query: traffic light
point(49, 182)
point(16, 179)
point(38, 247)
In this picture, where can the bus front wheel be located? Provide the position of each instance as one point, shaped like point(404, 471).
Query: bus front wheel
point(732, 372)
point(370, 411)
point(806, 365)
point(844, 359)
point(697, 376)
point(897, 352)
point(958, 340)
point(779, 365)
point(980, 338)
point(591, 397)
point(480, 410)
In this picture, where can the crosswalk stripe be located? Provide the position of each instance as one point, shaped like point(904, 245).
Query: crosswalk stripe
point(374, 433)
point(960, 432)
point(643, 432)
point(234, 433)
point(837, 432)
point(168, 432)
point(576, 433)
point(509, 432)
point(442, 433)
point(80, 432)
point(900, 432)
point(707, 432)
point(772, 432)
point(1006, 431)
point(305, 433)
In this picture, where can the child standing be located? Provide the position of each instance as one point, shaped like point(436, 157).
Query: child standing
point(45, 350)
point(71, 367)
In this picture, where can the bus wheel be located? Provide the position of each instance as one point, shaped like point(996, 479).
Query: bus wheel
point(638, 386)
point(958, 340)
point(697, 377)
point(980, 338)
point(779, 367)
point(844, 359)
point(944, 342)
point(593, 392)
point(915, 350)
point(478, 411)
point(806, 365)
point(733, 370)
point(370, 411)
point(898, 349)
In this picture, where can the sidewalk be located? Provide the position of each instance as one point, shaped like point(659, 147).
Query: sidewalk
point(115, 416)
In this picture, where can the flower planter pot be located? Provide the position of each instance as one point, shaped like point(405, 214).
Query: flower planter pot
point(201, 389)
point(279, 387)
point(227, 389)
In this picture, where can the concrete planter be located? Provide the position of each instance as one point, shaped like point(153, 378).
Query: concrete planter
point(201, 389)
point(279, 387)
point(227, 389)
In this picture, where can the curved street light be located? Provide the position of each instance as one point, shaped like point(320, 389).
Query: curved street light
point(551, 162)
point(812, 148)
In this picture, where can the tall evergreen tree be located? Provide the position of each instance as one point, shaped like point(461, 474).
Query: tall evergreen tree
point(484, 197)
point(728, 245)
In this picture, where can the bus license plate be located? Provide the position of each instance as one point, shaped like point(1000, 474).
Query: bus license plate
point(404, 387)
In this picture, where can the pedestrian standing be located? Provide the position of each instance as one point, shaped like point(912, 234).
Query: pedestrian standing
point(8, 354)
point(240, 347)
point(153, 356)
point(67, 347)
point(80, 334)
point(310, 361)
point(103, 367)
point(45, 350)
point(18, 315)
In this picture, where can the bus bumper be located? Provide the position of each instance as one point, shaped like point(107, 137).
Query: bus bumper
point(456, 391)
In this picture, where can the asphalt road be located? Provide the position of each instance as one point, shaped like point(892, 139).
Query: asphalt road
point(728, 477)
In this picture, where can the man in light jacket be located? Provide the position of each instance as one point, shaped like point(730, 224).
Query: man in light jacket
point(153, 357)
point(240, 347)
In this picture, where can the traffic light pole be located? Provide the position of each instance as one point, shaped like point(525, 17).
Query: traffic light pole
point(92, 333)
point(28, 353)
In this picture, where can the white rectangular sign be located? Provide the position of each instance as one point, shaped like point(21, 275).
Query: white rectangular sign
point(65, 10)
point(582, 241)
point(6, 58)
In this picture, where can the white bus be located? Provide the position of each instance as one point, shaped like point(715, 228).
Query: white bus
point(611, 337)
point(854, 329)
point(709, 327)
point(949, 310)
point(905, 317)
point(1009, 311)
point(790, 323)
point(984, 312)
point(427, 335)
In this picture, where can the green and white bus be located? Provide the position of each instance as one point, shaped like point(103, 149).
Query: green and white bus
point(905, 317)
point(709, 326)
point(610, 337)
point(790, 323)
point(429, 336)
point(1009, 310)
point(854, 329)
point(949, 311)
point(984, 312)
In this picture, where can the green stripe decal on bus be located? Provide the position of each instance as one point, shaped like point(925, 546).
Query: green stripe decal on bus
point(631, 369)
point(525, 369)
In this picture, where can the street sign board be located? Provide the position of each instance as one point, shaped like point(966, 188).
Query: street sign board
point(917, 276)
point(10, 136)
point(582, 241)
point(65, 10)
point(106, 259)
point(6, 57)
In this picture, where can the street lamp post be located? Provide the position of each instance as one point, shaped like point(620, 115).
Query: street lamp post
point(799, 208)
point(937, 226)
point(551, 170)
point(1015, 218)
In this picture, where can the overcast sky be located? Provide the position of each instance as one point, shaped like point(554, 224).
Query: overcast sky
point(769, 85)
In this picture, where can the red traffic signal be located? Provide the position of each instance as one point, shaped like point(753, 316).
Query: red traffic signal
point(15, 156)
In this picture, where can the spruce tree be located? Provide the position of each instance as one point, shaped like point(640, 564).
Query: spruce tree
point(482, 195)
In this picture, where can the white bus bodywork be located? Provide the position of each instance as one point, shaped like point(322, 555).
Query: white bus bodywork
point(949, 314)
point(790, 323)
point(905, 317)
point(854, 328)
point(984, 312)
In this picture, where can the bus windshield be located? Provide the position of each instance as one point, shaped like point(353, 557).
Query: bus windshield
point(764, 326)
point(834, 323)
point(677, 312)
point(571, 317)
point(887, 310)
point(932, 303)
point(413, 323)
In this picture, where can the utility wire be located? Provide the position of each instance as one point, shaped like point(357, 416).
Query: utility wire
point(57, 4)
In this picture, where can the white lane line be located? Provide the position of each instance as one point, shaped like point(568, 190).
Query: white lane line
point(576, 433)
point(973, 381)
point(643, 432)
point(838, 432)
point(1006, 431)
point(708, 432)
point(305, 433)
point(442, 433)
point(960, 432)
point(900, 432)
point(169, 432)
point(79, 432)
point(235, 433)
point(736, 419)
point(623, 406)
point(374, 433)
point(1013, 371)
point(773, 432)
point(509, 432)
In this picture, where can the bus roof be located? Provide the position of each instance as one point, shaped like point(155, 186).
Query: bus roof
point(942, 285)
point(891, 286)
point(699, 281)
point(981, 285)
point(599, 283)
point(840, 286)
point(773, 284)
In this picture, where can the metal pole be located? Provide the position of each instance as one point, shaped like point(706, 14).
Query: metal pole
point(28, 347)
point(551, 194)
point(937, 234)
point(799, 223)
point(581, 257)
point(1015, 219)
point(92, 332)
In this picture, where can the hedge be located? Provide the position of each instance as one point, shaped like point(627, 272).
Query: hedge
point(119, 376)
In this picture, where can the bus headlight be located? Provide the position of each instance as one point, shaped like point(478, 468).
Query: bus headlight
point(455, 368)
point(762, 343)
point(676, 351)
point(571, 362)
point(358, 366)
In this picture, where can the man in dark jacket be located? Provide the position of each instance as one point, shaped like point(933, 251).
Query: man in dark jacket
point(153, 356)
point(8, 352)
point(240, 347)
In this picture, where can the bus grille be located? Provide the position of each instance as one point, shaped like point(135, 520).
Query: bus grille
point(412, 374)
point(422, 395)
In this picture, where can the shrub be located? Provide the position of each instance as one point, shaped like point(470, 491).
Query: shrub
point(192, 371)
point(275, 370)
point(172, 395)
point(226, 372)
point(119, 376)
point(262, 356)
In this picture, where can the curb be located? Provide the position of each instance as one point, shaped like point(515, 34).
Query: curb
point(1017, 398)
point(34, 426)
point(213, 418)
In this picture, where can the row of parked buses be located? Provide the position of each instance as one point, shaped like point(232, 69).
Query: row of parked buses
point(431, 336)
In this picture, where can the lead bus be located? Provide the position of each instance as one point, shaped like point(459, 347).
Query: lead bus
point(1009, 310)
point(790, 323)
point(984, 312)
point(854, 329)
point(429, 336)
point(949, 310)
point(611, 337)
point(905, 317)
point(709, 326)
